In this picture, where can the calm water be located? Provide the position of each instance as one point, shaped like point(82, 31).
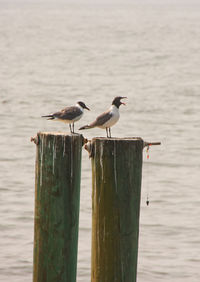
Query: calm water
point(55, 53)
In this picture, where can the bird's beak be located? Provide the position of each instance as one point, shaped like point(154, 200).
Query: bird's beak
point(123, 102)
point(87, 108)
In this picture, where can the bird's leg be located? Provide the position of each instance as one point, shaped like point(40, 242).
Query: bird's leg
point(70, 127)
point(73, 127)
point(107, 131)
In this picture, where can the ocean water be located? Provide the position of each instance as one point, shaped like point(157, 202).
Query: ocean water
point(55, 53)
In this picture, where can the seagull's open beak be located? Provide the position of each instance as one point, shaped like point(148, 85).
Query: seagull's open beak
point(123, 102)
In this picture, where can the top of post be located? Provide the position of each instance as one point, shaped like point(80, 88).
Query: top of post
point(89, 145)
point(58, 133)
point(117, 139)
point(46, 134)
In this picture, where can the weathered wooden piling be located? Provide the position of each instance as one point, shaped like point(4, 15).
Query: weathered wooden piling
point(116, 173)
point(57, 197)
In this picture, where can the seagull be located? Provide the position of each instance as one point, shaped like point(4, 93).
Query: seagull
point(69, 114)
point(108, 118)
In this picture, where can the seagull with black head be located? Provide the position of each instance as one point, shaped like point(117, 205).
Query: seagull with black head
point(69, 115)
point(107, 119)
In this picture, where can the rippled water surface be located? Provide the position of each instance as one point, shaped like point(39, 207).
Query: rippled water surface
point(55, 53)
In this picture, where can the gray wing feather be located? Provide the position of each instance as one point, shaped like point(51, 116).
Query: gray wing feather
point(68, 113)
point(100, 120)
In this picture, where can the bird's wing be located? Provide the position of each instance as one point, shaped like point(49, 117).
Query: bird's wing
point(68, 113)
point(103, 118)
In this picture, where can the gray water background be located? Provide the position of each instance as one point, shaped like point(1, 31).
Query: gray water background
point(54, 53)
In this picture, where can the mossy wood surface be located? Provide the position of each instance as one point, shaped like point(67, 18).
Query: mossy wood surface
point(117, 173)
point(57, 197)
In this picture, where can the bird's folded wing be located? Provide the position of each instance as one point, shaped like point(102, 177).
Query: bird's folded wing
point(103, 118)
point(68, 113)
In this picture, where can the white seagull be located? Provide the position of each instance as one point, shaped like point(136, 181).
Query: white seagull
point(108, 118)
point(69, 115)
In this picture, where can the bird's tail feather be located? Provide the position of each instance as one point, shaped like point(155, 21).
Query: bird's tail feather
point(86, 127)
point(49, 117)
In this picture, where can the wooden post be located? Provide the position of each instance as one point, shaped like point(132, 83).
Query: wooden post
point(57, 196)
point(116, 173)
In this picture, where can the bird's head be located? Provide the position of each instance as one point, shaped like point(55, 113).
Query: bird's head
point(117, 101)
point(83, 105)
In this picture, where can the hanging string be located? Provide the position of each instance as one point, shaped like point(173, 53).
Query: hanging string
point(147, 201)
